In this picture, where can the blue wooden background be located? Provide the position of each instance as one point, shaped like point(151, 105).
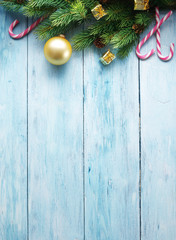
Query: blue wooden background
point(87, 152)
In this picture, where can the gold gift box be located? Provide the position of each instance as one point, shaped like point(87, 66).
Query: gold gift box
point(98, 12)
point(141, 4)
point(107, 57)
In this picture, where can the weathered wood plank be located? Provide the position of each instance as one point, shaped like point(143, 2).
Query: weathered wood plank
point(158, 99)
point(111, 148)
point(55, 147)
point(13, 132)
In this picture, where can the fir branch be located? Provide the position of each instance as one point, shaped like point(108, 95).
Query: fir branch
point(124, 51)
point(116, 28)
point(99, 29)
point(163, 3)
point(89, 4)
point(83, 40)
point(118, 11)
point(45, 30)
point(123, 37)
point(37, 12)
point(143, 18)
point(12, 5)
point(102, 27)
point(63, 17)
point(48, 3)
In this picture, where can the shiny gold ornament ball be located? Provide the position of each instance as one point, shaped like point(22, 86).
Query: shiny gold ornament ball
point(58, 50)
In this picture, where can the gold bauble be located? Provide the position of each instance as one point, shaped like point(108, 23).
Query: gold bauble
point(58, 50)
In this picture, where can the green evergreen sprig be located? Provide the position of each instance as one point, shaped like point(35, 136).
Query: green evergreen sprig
point(120, 28)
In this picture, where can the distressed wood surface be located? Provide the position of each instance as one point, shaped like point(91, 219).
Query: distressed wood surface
point(111, 148)
point(13, 133)
point(55, 128)
point(79, 142)
point(158, 140)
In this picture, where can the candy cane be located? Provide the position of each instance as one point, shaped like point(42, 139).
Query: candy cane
point(25, 32)
point(148, 36)
point(158, 39)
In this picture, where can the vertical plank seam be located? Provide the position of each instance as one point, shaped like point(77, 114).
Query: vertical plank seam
point(27, 145)
point(83, 153)
point(140, 179)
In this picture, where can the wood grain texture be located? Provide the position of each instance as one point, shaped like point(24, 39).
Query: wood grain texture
point(158, 116)
point(111, 148)
point(55, 146)
point(69, 143)
point(13, 132)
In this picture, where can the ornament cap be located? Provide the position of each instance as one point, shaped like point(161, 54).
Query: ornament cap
point(62, 35)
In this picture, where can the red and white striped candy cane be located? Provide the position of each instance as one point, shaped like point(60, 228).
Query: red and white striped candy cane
point(148, 36)
point(158, 39)
point(25, 32)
